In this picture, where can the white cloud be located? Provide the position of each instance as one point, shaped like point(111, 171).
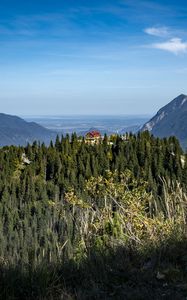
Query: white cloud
point(157, 31)
point(174, 45)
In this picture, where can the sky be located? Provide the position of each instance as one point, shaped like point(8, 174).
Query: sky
point(112, 57)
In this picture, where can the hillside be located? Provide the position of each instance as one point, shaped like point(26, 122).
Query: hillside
point(101, 221)
point(170, 120)
point(16, 131)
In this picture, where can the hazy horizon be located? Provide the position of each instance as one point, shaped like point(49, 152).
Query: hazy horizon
point(83, 123)
point(84, 115)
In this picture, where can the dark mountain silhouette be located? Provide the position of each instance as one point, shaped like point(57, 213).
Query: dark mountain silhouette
point(170, 120)
point(16, 131)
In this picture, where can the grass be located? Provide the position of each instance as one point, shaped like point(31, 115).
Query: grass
point(120, 274)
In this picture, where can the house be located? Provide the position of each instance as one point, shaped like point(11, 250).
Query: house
point(93, 137)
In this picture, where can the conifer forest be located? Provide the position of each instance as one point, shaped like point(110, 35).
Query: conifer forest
point(94, 221)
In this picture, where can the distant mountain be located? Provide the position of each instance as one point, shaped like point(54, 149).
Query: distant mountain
point(84, 132)
point(16, 131)
point(133, 129)
point(171, 120)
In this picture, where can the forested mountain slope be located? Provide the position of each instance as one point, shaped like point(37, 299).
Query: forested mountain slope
point(101, 221)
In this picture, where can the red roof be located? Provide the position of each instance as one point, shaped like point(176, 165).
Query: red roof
point(93, 134)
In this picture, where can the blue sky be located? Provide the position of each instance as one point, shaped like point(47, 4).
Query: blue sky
point(91, 57)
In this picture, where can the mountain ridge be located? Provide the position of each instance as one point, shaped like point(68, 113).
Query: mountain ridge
point(16, 131)
point(170, 120)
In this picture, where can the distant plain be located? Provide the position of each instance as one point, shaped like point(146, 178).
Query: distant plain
point(82, 123)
